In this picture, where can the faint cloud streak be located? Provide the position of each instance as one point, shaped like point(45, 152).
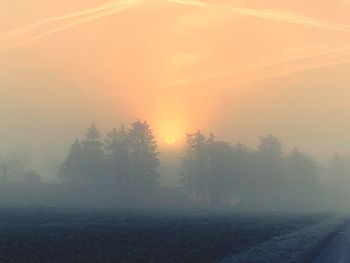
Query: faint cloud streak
point(49, 26)
point(274, 69)
point(278, 15)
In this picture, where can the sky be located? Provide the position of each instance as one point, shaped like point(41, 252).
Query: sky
point(240, 69)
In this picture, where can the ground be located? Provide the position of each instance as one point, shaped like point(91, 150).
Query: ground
point(61, 235)
point(337, 249)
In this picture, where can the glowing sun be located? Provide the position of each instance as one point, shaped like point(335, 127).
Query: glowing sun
point(170, 140)
point(170, 129)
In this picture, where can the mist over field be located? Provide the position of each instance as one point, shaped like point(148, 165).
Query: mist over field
point(174, 131)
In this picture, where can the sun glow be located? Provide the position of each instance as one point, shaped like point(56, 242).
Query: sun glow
point(170, 120)
point(170, 133)
point(170, 140)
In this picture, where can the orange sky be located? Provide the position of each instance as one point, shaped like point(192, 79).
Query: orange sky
point(239, 69)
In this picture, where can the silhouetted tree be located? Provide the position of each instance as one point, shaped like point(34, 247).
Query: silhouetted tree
point(270, 147)
point(11, 168)
point(339, 178)
point(72, 168)
point(269, 172)
point(302, 173)
point(243, 177)
point(93, 156)
point(220, 179)
point(194, 169)
point(143, 160)
point(213, 171)
point(117, 158)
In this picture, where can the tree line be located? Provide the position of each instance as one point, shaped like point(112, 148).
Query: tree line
point(214, 171)
point(124, 166)
point(127, 160)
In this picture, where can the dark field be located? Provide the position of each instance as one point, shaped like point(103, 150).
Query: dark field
point(49, 235)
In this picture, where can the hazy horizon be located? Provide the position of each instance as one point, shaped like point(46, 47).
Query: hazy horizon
point(240, 70)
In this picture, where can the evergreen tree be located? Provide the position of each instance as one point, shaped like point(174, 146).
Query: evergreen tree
point(339, 178)
point(117, 157)
point(208, 169)
point(302, 172)
point(194, 169)
point(243, 177)
point(12, 167)
point(93, 156)
point(220, 181)
point(72, 168)
point(270, 172)
point(143, 159)
point(270, 147)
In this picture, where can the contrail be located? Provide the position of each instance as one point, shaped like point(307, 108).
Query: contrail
point(281, 68)
point(46, 27)
point(278, 15)
point(270, 70)
point(191, 3)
